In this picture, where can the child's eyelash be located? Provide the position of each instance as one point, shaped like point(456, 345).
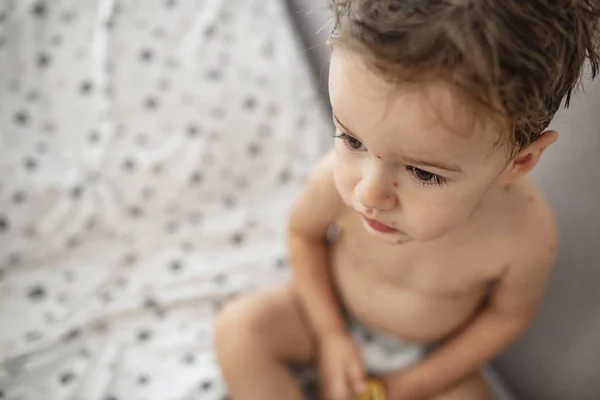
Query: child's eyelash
point(419, 177)
point(351, 142)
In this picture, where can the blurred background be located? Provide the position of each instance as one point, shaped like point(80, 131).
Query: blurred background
point(149, 153)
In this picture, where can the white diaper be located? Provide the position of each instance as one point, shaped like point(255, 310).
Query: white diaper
point(384, 353)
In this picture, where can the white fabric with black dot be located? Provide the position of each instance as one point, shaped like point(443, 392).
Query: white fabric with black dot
point(149, 152)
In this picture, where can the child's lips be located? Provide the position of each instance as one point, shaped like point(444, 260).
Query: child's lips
point(378, 226)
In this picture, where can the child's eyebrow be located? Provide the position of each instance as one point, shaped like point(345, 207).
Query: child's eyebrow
point(435, 164)
point(342, 125)
point(424, 163)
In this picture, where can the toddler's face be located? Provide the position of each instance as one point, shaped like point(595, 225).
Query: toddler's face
point(405, 159)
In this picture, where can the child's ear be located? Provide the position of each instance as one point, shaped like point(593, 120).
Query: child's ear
point(524, 162)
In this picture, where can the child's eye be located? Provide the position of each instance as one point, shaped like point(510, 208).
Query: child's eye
point(351, 142)
point(426, 178)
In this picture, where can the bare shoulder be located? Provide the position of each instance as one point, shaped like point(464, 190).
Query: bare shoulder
point(535, 235)
point(531, 246)
point(319, 203)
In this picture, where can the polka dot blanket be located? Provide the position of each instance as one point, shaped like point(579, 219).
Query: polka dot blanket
point(149, 154)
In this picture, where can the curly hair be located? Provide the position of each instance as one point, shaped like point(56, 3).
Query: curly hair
point(514, 60)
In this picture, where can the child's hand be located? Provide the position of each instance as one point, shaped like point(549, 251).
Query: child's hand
point(340, 367)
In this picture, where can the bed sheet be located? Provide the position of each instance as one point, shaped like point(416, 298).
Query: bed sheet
point(149, 154)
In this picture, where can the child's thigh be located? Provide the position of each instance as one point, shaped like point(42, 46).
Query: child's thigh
point(271, 319)
point(474, 387)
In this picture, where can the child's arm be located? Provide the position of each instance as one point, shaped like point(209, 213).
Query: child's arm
point(511, 308)
point(317, 207)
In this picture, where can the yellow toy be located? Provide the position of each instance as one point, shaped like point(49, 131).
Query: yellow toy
point(375, 390)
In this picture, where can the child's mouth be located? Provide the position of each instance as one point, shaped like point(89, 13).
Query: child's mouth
point(378, 226)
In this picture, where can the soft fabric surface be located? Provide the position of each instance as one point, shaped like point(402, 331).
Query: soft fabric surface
point(149, 153)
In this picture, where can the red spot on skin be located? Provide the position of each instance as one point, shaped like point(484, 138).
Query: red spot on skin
point(378, 156)
point(395, 184)
point(507, 188)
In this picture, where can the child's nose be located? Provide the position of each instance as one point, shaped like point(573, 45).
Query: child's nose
point(376, 193)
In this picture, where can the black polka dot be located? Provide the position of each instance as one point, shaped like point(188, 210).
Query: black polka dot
point(170, 3)
point(250, 103)
point(172, 227)
point(150, 303)
point(159, 32)
point(129, 164)
point(189, 358)
point(73, 242)
point(90, 223)
point(196, 177)
point(36, 293)
point(210, 31)
point(151, 103)
point(143, 380)
point(21, 117)
point(195, 218)
point(86, 87)
point(106, 297)
point(218, 113)
point(72, 335)
point(146, 55)
point(39, 9)
point(237, 238)
point(56, 40)
point(264, 131)
point(76, 192)
point(4, 224)
point(206, 385)
point(66, 378)
point(69, 275)
point(135, 211)
point(281, 262)
point(19, 197)
point(285, 176)
point(49, 127)
point(229, 201)
point(93, 137)
point(111, 397)
point(172, 64)
point(33, 336)
point(254, 149)
point(175, 266)
point(187, 246)
point(147, 193)
point(213, 75)
point(144, 335)
point(268, 49)
point(68, 16)
point(13, 258)
point(193, 130)
point(164, 84)
point(30, 164)
point(142, 139)
point(1, 394)
point(43, 60)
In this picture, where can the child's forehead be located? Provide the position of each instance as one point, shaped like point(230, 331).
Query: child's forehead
point(426, 115)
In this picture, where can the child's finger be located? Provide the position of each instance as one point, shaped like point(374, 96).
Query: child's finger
point(338, 387)
point(356, 376)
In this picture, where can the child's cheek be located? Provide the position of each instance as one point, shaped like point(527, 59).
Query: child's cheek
point(344, 179)
point(429, 223)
